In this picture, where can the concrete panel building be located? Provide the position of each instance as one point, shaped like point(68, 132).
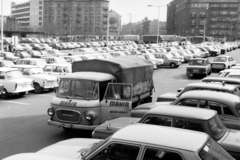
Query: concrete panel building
point(29, 14)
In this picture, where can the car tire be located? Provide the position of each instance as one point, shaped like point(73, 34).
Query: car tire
point(37, 88)
point(22, 93)
point(5, 95)
point(173, 65)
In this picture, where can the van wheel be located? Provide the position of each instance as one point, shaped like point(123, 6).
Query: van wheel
point(173, 65)
point(37, 88)
point(5, 95)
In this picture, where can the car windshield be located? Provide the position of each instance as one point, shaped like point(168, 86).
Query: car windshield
point(14, 74)
point(36, 71)
point(197, 63)
point(212, 150)
point(217, 127)
point(78, 89)
point(220, 59)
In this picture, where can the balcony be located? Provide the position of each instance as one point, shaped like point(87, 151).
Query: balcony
point(104, 21)
point(202, 15)
point(193, 23)
point(193, 15)
point(105, 15)
point(201, 24)
point(105, 7)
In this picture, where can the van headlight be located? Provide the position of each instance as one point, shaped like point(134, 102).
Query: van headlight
point(51, 112)
point(90, 116)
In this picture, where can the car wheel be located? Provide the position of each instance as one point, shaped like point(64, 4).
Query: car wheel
point(37, 88)
point(22, 93)
point(5, 95)
point(173, 65)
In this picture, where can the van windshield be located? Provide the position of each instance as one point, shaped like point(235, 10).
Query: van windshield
point(79, 89)
point(212, 150)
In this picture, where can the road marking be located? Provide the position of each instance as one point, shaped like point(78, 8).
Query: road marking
point(16, 102)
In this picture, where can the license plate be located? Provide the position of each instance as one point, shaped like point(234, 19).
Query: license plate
point(218, 66)
point(195, 70)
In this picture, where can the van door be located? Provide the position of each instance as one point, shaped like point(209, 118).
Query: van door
point(117, 101)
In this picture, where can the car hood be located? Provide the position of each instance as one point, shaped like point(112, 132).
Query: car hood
point(21, 80)
point(45, 76)
point(231, 141)
point(35, 156)
point(71, 148)
point(170, 95)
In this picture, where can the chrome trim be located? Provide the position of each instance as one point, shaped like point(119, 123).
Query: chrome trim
point(80, 115)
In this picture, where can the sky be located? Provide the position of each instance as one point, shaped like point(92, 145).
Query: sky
point(136, 10)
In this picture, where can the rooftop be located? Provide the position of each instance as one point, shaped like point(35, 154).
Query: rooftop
point(162, 136)
point(94, 76)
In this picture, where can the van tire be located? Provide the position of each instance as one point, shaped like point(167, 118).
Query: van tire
point(173, 65)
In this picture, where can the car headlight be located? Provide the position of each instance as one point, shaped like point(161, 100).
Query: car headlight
point(51, 111)
point(90, 116)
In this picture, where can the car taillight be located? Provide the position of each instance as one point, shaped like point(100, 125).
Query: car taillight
point(15, 86)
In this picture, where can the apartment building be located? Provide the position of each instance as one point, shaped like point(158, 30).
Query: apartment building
point(29, 14)
point(77, 17)
point(217, 18)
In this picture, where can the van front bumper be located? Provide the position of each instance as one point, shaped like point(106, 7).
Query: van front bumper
point(72, 126)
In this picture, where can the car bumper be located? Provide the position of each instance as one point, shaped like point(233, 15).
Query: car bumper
point(72, 126)
point(25, 89)
point(50, 86)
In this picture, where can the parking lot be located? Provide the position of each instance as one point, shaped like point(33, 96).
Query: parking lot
point(23, 121)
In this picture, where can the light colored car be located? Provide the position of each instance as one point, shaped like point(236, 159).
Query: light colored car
point(222, 62)
point(32, 61)
point(198, 66)
point(55, 52)
point(6, 63)
point(9, 56)
point(42, 81)
point(58, 69)
point(220, 87)
point(226, 72)
point(71, 59)
point(14, 82)
point(50, 60)
point(223, 80)
point(165, 143)
point(168, 60)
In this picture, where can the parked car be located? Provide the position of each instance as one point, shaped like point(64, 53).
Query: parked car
point(212, 51)
point(22, 54)
point(36, 54)
point(187, 118)
point(127, 145)
point(198, 66)
point(42, 81)
point(168, 60)
point(32, 61)
point(6, 63)
point(222, 62)
point(50, 60)
point(224, 80)
point(226, 72)
point(58, 69)
point(54, 52)
point(220, 87)
point(71, 59)
point(14, 82)
point(9, 56)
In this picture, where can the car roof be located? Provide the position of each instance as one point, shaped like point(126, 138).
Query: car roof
point(212, 95)
point(59, 64)
point(25, 66)
point(226, 79)
point(94, 76)
point(224, 56)
point(162, 136)
point(33, 59)
point(212, 85)
point(182, 111)
point(5, 69)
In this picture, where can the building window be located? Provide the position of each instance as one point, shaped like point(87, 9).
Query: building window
point(40, 7)
point(40, 18)
point(40, 23)
point(40, 2)
point(40, 12)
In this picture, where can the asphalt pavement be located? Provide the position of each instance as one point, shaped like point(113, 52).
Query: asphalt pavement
point(23, 120)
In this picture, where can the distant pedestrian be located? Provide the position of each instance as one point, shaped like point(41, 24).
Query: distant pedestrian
point(10, 47)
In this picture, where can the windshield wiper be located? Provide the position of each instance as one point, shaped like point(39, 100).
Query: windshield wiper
point(81, 96)
point(62, 93)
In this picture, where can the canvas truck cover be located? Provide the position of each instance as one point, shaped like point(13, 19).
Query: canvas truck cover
point(126, 69)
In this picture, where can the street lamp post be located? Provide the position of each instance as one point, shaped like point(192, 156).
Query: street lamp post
point(2, 26)
point(158, 19)
point(130, 23)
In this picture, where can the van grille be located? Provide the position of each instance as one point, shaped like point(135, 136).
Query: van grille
point(68, 116)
